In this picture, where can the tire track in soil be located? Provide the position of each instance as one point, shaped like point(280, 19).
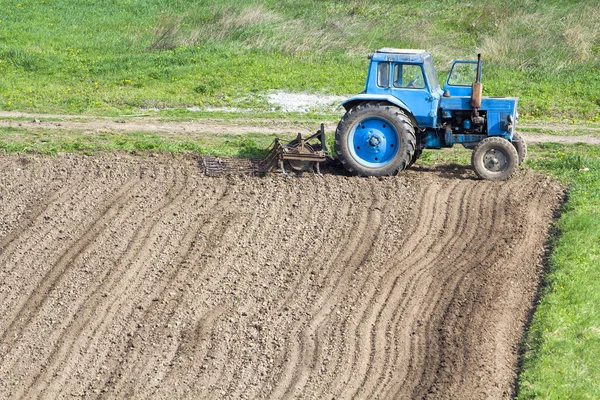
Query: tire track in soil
point(225, 227)
point(417, 268)
point(472, 275)
point(26, 310)
point(412, 258)
point(115, 211)
point(451, 285)
point(341, 368)
point(93, 311)
point(32, 218)
point(390, 288)
point(304, 349)
point(295, 254)
point(293, 250)
point(229, 377)
point(430, 326)
point(140, 366)
point(275, 288)
point(401, 296)
point(462, 349)
point(416, 358)
point(294, 346)
point(232, 375)
point(238, 228)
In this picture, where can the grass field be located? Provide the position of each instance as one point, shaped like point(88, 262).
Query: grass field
point(119, 57)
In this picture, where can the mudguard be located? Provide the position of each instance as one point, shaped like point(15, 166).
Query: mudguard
point(352, 101)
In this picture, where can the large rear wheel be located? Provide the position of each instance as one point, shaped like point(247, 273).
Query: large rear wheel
point(495, 159)
point(375, 139)
point(415, 157)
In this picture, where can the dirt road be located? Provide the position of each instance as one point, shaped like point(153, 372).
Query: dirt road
point(93, 125)
point(138, 277)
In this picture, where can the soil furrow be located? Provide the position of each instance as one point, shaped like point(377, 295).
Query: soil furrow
point(395, 305)
point(332, 245)
point(28, 307)
point(418, 273)
point(137, 277)
point(448, 271)
point(325, 304)
point(134, 363)
point(94, 308)
point(34, 217)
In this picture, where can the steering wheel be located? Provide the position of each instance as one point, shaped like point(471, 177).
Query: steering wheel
point(411, 84)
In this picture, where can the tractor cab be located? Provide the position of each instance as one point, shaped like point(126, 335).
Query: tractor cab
point(405, 78)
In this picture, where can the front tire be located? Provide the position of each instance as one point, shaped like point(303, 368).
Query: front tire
point(375, 139)
point(495, 159)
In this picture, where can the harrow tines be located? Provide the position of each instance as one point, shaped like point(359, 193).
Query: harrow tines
point(215, 166)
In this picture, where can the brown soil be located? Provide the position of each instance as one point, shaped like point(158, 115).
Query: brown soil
point(139, 277)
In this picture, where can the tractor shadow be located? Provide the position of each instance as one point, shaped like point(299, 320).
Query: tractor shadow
point(220, 166)
point(448, 171)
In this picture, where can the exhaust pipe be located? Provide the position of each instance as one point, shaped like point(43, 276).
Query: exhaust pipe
point(476, 93)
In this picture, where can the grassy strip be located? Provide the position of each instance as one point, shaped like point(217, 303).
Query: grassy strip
point(51, 142)
point(562, 344)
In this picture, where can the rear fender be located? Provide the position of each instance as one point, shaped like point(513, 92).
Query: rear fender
point(361, 98)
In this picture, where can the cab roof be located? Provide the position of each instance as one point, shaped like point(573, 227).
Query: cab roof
point(400, 51)
point(402, 55)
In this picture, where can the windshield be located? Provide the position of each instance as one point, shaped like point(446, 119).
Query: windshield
point(431, 75)
point(409, 76)
point(463, 73)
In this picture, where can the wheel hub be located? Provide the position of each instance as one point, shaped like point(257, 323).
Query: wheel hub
point(375, 140)
point(495, 160)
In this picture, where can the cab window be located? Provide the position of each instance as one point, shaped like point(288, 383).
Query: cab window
point(408, 76)
point(383, 74)
point(463, 74)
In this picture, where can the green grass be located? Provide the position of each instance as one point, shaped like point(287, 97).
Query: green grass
point(562, 346)
point(110, 58)
point(51, 142)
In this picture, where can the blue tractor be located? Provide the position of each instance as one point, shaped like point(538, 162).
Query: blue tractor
point(403, 110)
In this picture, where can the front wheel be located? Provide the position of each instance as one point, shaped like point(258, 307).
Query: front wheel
point(375, 139)
point(495, 159)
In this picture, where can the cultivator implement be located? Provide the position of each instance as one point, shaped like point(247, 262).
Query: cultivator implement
point(300, 155)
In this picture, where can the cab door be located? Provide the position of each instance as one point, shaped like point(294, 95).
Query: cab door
point(461, 77)
point(409, 84)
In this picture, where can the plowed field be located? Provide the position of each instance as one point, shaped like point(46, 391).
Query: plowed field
point(139, 277)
